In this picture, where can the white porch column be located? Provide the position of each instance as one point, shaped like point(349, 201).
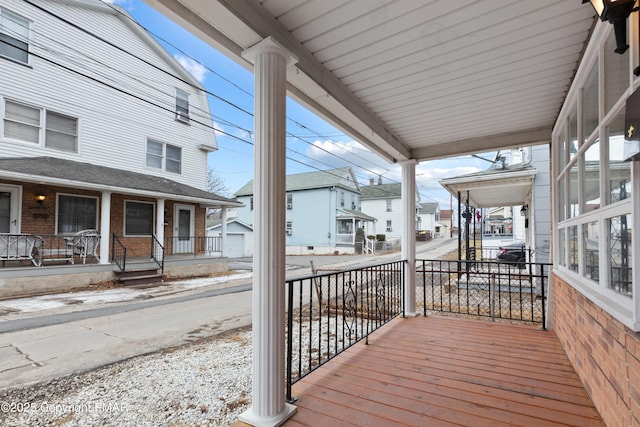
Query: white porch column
point(223, 238)
point(409, 234)
point(268, 406)
point(160, 224)
point(105, 227)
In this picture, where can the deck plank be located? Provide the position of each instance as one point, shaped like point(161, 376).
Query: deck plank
point(447, 371)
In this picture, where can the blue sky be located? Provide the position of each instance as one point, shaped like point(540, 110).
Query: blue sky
point(316, 145)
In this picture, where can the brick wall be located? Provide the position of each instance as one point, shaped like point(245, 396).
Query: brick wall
point(604, 352)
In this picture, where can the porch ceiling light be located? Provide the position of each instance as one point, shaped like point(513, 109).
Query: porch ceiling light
point(616, 12)
point(40, 198)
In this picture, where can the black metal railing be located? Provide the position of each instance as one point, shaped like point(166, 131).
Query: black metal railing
point(506, 291)
point(118, 253)
point(193, 245)
point(157, 252)
point(328, 313)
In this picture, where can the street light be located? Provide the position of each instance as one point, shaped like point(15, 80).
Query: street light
point(616, 12)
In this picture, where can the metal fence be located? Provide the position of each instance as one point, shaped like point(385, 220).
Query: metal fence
point(328, 313)
point(511, 292)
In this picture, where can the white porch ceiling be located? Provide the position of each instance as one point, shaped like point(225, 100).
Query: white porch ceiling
point(417, 79)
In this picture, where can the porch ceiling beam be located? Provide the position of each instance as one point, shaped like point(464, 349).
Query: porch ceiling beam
point(261, 22)
point(525, 138)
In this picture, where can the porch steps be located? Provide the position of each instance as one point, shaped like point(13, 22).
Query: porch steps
point(139, 277)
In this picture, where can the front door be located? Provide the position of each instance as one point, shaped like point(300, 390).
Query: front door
point(183, 235)
point(9, 209)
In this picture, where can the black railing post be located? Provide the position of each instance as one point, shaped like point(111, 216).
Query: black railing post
point(544, 309)
point(288, 396)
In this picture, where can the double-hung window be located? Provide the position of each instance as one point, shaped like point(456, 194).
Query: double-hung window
point(182, 106)
point(25, 123)
point(14, 36)
point(389, 205)
point(164, 156)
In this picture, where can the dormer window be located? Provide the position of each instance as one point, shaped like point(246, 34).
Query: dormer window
point(14, 36)
point(182, 106)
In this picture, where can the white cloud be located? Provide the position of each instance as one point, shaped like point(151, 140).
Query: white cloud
point(194, 68)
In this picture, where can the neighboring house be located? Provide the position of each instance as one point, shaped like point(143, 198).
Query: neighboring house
point(511, 201)
point(106, 132)
point(428, 219)
point(446, 219)
point(384, 202)
point(239, 241)
point(322, 211)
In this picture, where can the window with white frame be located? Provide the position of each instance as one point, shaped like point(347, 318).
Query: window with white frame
point(389, 205)
point(61, 132)
point(76, 213)
point(164, 156)
point(289, 228)
point(138, 218)
point(24, 123)
point(389, 226)
point(342, 199)
point(289, 201)
point(593, 183)
point(182, 106)
point(251, 203)
point(14, 36)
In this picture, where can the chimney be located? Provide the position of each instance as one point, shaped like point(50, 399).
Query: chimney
point(371, 181)
point(379, 179)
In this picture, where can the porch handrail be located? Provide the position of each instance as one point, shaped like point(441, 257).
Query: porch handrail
point(506, 291)
point(328, 313)
point(118, 253)
point(157, 252)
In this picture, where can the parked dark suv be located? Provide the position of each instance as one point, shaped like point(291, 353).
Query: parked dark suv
point(513, 253)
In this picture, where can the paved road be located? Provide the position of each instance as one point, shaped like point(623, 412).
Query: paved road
point(47, 345)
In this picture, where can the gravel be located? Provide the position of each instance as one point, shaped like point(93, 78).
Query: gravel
point(207, 383)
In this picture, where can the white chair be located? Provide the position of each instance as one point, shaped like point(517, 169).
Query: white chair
point(85, 243)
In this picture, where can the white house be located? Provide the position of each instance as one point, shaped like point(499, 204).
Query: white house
point(102, 129)
point(322, 211)
point(428, 219)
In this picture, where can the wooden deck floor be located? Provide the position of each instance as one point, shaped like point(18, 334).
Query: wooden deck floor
point(435, 371)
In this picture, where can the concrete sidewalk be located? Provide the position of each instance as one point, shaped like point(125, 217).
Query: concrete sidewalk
point(155, 319)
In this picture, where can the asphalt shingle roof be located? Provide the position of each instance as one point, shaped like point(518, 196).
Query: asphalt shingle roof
point(51, 167)
point(381, 191)
point(308, 180)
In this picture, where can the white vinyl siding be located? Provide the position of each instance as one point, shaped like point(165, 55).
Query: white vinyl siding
point(14, 36)
point(112, 132)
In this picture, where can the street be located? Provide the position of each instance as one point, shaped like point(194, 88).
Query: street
point(37, 345)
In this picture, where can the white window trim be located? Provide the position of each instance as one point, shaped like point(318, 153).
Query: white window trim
point(42, 126)
point(97, 199)
point(624, 309)
point(28, 41)
point(163, 160)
